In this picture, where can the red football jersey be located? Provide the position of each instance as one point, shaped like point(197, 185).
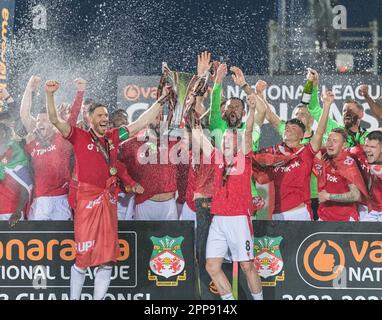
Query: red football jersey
point(372, 179)
point(336, 211)
point(232, 197)
point(91, 167)
point(200, 180)
point(155, 177)
point(51, 166)
point(292, 180)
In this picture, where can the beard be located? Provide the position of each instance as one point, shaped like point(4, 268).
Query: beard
point(350, 120)
point(233, 120)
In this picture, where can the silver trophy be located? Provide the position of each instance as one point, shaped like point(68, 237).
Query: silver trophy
point(180, 85)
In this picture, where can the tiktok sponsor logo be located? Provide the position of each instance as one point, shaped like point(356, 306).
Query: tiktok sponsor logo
point(289, 168)
point(40, 152)
point(331, 178)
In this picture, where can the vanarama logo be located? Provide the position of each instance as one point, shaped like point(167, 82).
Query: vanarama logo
point(341, 260)
point(39, 250)
point(268, 260)
point(167, 261)
point(4, 45)
point(133, 92)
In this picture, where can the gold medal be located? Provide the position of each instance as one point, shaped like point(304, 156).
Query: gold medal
point(113, 171)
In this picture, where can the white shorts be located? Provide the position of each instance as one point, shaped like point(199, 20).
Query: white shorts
point(372, 216)
point(155, 210)
point(230, 234)
point(300, 214)
point(7, 216)
point(362, 210)
point(179, 208)
point(50, 208)
point(188, 214)
point(350, 220)
point(126, 212)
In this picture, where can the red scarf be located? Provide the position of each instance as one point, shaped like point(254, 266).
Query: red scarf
point(344, 165)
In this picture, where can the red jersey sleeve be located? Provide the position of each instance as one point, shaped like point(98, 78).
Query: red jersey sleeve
point(76, 108)
point(73, 135)
point(309, 152)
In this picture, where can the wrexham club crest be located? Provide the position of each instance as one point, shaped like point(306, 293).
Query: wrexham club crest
point(268, 260)
point(167, 261)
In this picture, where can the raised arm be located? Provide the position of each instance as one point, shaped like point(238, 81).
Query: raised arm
point(239, 79)
point(51, 86)
point(252, 101)
point(314, 105)
point(77, 103)
point(216, 121)
point(316, 142)
point(201, 142)
point(204, 64)
point(26, 104)
point(375, 106)
point(261, 106)
point(149, 115)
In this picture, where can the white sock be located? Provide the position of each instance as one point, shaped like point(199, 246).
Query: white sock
point(228, 296)
point(77, 279)
point(102, 282)
point(257, 296)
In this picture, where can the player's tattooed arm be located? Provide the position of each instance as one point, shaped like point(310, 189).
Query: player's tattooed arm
point(353, 195)
point(375, 106)
point(51, 87)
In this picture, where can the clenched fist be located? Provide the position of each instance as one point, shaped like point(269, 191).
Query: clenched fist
point(260, 87)
point(33, 83)
point(51, 86)
point(80, 84)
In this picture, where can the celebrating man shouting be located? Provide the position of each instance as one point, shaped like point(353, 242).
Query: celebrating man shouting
point(99, 173)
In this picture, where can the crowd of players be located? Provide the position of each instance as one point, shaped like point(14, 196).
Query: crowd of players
point(331, 174)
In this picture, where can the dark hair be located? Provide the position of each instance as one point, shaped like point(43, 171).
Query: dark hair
point(375, 135)
point(89, 101)
point(359, 106)
point(94, 106)
point(223, 103)
point(342, 132)
point(301, 105)
point(118, 112)
point(297, 122)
